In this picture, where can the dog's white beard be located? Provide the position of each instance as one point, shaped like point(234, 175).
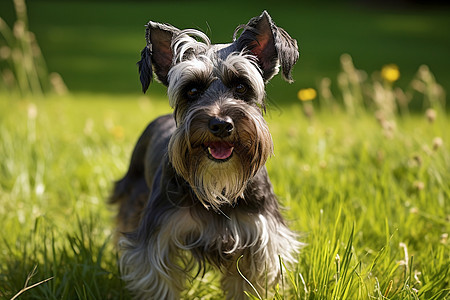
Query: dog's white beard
point(216, 184)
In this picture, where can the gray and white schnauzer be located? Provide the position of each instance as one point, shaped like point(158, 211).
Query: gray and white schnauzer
point(197, 192)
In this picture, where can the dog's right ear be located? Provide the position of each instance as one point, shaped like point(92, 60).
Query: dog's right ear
point(157, 54)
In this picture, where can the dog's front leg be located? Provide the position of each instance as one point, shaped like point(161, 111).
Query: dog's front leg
point(148, 267)
point(269, 240)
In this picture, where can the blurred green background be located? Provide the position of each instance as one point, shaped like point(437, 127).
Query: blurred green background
point(95, 45)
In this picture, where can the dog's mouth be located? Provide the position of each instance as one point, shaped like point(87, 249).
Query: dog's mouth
point(219, 151)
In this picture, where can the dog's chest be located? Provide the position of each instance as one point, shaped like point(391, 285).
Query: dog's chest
point(216, 234)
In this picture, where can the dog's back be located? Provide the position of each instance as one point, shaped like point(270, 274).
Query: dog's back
point(132, 191)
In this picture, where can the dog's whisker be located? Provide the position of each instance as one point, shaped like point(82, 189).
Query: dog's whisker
point(224, 214)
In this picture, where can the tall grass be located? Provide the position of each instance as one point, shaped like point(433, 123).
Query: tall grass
point(372, 178)
point(359, 91)
point(55, 177)
point(23, 69)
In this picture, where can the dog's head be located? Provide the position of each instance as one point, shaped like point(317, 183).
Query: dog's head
point(218, 96)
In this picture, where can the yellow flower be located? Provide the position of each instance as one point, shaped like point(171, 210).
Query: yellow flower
point(390, 73)
point(118, 132)
point(307, 94)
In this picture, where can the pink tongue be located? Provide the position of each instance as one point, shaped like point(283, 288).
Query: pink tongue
point(220, 150)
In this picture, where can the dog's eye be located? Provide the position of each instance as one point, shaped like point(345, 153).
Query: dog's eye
point(241, 89)
point(193, 93)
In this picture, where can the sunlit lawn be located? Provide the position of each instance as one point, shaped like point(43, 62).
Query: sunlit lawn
point(373, 208)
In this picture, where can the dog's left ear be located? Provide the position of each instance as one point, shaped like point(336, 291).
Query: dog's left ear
point(157, 54)
point(270, 44)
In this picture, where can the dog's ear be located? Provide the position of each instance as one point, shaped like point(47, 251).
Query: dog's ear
point(270, 44)
point(157, 54)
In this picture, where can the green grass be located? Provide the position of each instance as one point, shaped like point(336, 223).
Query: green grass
point(356, 194)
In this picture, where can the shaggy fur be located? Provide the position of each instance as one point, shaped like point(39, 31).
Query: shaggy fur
point(197, 192)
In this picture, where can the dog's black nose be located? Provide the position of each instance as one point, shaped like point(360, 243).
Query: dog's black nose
point(221, 127)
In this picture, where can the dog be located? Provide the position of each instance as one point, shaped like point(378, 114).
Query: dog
point(197, 192)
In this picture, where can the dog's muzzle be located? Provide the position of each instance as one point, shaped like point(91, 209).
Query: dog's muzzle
point(221, 128)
